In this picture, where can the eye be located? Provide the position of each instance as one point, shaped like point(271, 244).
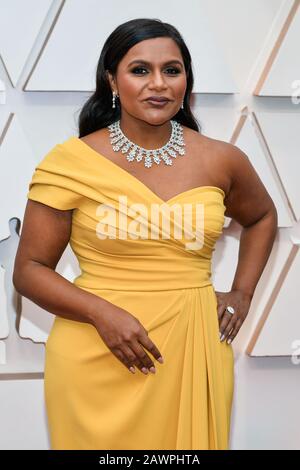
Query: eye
point(136, 69)
point(175, 69)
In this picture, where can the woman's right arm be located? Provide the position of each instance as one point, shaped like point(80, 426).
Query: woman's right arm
point(44, 237)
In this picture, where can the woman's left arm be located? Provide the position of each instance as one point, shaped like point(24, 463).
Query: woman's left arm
point(249, 203)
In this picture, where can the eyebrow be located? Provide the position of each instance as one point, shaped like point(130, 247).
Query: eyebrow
point(141, 61)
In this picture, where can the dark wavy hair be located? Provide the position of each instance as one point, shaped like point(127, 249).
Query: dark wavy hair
point(97, 112)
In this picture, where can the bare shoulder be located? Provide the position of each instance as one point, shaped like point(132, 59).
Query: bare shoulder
point(236, 174)
point(228, 157)
point(246, 188)
point(214, 155)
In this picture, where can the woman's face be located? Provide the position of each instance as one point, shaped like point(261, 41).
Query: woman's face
point(153, 67)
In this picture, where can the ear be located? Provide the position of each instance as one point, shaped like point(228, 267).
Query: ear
point(111, 80)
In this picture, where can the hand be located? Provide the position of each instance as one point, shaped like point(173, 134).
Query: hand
point(124, 335)
point(229, 325)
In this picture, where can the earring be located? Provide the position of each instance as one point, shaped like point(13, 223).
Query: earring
point(114, 99)
point(182, 105)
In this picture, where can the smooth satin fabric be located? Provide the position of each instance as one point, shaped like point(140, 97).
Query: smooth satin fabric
point(92, 400)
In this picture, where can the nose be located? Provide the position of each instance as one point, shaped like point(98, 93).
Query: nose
point(157, 80)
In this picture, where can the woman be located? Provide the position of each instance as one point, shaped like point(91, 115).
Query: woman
point(135, 308)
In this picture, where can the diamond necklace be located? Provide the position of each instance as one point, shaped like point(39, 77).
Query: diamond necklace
point(135, 152)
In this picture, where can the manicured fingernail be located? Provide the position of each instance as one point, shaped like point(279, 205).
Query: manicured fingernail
point(152, 369)
point(222, 337)
point(132, 369)
point(220, 333)
point(145, 370)
point(229, 341)
point(160, 359)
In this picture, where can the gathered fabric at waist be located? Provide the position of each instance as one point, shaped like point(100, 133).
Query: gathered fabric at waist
point(145, 274)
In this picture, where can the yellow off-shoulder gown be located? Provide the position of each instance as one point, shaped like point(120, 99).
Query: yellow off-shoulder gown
point(93, 401)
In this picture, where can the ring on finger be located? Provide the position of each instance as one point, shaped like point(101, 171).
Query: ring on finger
point(230, 309)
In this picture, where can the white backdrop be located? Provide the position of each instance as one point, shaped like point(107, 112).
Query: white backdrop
point(247, 91)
